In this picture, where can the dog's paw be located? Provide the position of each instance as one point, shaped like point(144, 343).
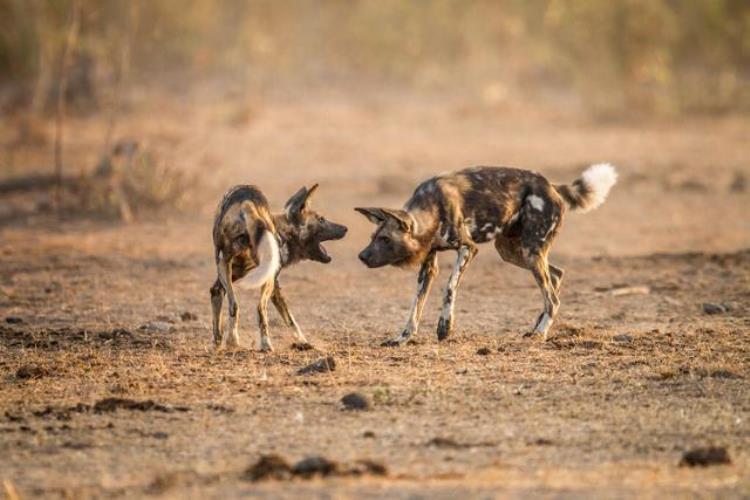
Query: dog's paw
point(444, 329)
point(535, 335)
point(302, 346)
point(266, 348)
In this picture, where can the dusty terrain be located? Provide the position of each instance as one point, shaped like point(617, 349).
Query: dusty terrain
point(625, 385)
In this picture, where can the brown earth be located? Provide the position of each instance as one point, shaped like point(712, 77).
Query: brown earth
point(106, 391)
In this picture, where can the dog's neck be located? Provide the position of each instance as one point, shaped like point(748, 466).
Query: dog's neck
point(424, 230)
point(290, 245)
point(425, 225)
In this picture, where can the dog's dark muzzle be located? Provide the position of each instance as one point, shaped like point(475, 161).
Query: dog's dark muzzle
point(367, 258)
point(333, 232)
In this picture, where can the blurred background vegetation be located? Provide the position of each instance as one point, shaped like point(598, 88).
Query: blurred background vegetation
point(611, 57)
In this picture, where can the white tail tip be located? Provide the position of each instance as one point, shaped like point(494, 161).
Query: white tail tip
point(599, 179)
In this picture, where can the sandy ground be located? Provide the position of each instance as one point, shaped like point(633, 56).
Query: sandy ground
point(605, 408)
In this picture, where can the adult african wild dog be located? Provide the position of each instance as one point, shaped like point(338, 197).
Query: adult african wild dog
point(251, 243)
point(519, 209)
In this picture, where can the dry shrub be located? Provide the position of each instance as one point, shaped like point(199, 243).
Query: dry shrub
point(132, 181)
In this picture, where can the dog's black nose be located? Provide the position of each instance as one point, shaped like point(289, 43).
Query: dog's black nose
point(363, 257)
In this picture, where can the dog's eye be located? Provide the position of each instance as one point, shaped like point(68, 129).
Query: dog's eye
point(384, 239)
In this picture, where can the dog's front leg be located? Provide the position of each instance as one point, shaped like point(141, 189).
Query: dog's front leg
point(217, 300)
point(466, 254)
point(266, 290)
point(427, 274)
point(224, 269)
point(281, 306)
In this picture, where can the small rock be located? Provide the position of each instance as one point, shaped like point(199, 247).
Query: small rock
point(543, 442)
point(355, 401)
point(483, 351)
point(317, 465)
point(188, 316)
point(624, 338)
point(269, 467)
point(302, 346)
point(368, 434)
point(157, 327)
point(703, 457)
point(322, 365)
point(710, 308)
point(725, 374)
point(739, 183)
point(31, 371)
point(13, 320)
point(443, 442)
point(113, 404)
point(367, 466)
point(630, 290)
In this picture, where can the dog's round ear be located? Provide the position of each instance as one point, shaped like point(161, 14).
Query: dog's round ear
point(298, 203)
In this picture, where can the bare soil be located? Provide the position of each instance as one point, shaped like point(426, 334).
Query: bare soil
point(109, 385)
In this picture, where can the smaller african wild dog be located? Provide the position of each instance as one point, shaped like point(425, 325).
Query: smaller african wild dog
point(519, 209)
point(251, 243)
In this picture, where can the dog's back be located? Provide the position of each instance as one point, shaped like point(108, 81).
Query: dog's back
point(484, 199)
point(244, 234)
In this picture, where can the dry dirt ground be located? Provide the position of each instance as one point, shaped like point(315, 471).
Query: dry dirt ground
point(606, 407)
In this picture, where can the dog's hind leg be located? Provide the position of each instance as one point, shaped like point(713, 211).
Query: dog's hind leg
point(427, 274)
point(224, 269)
point(540, 270)
point(466, 254)
point(266, 290)
point(556, 275)
point(281, 306)
point(217, 300)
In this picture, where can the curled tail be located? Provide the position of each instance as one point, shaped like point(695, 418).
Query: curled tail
point(267, 251)
point(591, 189)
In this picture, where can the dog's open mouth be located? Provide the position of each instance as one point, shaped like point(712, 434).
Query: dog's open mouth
point(322, 254)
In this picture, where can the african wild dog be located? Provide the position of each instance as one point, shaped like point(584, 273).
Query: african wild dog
point(251, 243)
point(519, 209)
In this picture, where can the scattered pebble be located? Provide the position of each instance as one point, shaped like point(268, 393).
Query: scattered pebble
point(450, 443)
point(315, 466)
point(269, 467)
point(367, 466)
point(624, 338)
point(368, 434)
point(483, 351)
point(630, 290)
point(13, 320)
point(227, 410)
point(322, 365)
point(276, 467)
point(710, 308)
point(302, 346)
point(112, 404)
point(355, 401)
point(157, 327)
point(739, 183)
point(703, 457)
point(188, 316)
point(543, 442)
point(31, 371)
